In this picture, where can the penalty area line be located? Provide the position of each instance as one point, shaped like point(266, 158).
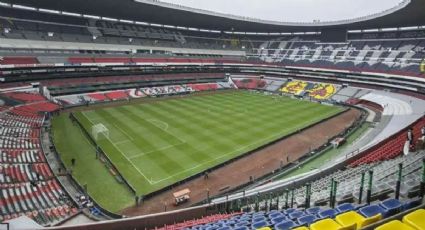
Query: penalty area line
point(123, 131)
point(119, 150)
point(155, 150)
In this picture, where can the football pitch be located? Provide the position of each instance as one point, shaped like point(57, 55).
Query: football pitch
point(156, 144)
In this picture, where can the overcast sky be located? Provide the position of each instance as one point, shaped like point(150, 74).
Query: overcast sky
point(292, 10)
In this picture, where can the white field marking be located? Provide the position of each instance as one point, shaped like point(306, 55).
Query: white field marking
point(155, 121)
point(122, 142)
point(165, 129)
point(124, 132)
point(232, 152)
point(131, 162)
point(155, 150)
point(113, 124)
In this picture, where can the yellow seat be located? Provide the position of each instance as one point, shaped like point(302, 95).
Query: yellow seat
point(370, 220)
point(394, 225)
point(325, 224)
point(301, 228)
point(329, 224)
point(264, 228)
point(349, 218)
point(416, 219)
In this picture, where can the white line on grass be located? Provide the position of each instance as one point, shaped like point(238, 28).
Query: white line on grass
point(122, 142)
point(165, 129)
point(236, 150)
point(155, 150)
point(154, 121)
point(124, 132)
point(131, 162)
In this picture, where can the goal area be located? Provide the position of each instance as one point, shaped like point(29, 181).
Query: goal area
point(99, 131)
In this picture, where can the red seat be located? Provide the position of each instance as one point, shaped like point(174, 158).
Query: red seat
point(18, 61)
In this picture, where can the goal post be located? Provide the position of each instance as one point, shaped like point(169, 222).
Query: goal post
point(99, 131)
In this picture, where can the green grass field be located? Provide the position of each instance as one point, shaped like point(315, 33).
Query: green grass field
point(154, 145)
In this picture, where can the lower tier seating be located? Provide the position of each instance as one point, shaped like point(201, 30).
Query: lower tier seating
point(344, 216)
point(27, 184)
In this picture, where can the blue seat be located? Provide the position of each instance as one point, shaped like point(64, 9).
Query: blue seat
point(275, 214)
point(258, 218)
point(289, 210)
point(260, 224)
point(285, 225)
point(372, 210)
point(224, 228)
point(296, 214)
point(411, 203)
point(391, 206)
point(278, 219)
point(231, 222)
point(241, 228)
point(329, 213)
point(242, 223)
point(306, 220)
point(313, 210)
point(345, 207)
point(260, 213)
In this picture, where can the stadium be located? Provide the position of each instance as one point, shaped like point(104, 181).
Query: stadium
point(147, 114)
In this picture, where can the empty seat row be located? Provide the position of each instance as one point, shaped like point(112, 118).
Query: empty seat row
point(21, 156)
point(412, 221)
point(15, 173)
point(345, 216)
point(7, 142)
point(19, 132)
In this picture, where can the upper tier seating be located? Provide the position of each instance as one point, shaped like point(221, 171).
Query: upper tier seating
point(397, 56)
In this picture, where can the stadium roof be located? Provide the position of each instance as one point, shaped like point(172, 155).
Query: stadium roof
point(407, 13)
point(289, 10)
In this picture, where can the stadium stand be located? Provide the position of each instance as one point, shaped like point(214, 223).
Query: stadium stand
point(296, 87)
point(345, 216)
point(322, 91)
point(52, 61)
point(401, 55)
point(28, 185)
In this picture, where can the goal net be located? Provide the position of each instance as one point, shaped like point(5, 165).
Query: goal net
point(99, 131)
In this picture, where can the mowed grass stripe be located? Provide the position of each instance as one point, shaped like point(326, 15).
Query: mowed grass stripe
point(155, 134)
point(125, 167)
point(178, 127)
point(181, 137)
